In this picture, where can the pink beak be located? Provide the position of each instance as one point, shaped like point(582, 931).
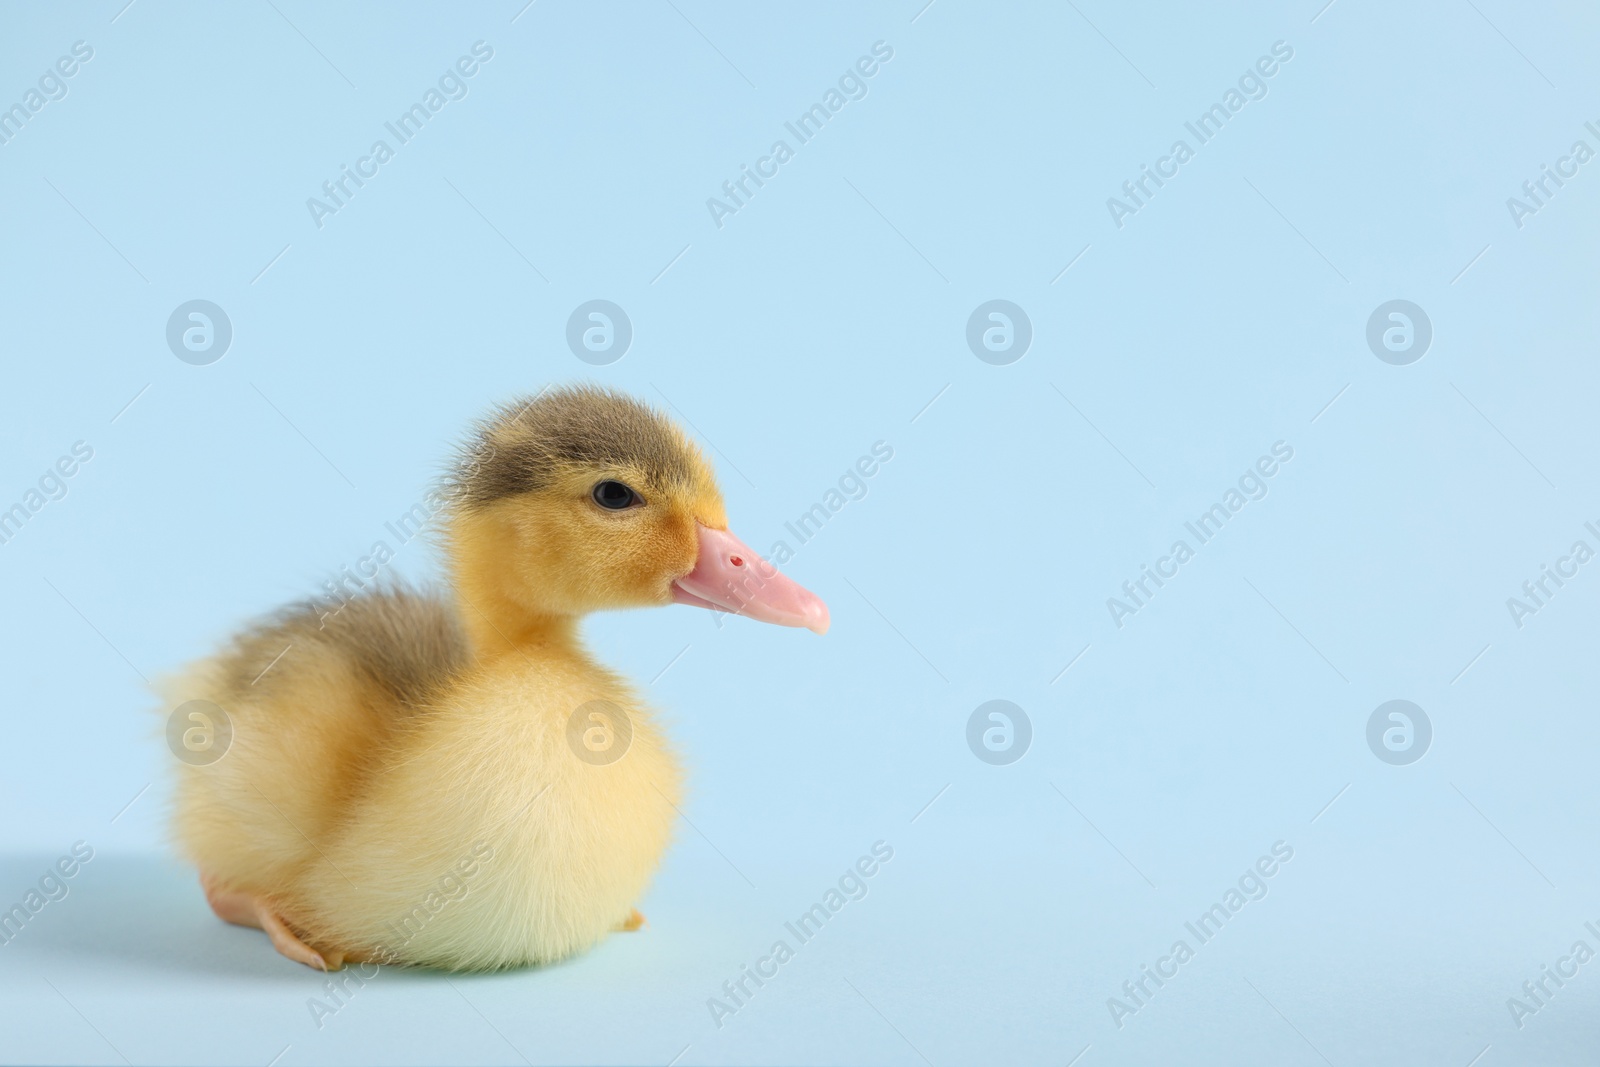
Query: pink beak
point(729, 576)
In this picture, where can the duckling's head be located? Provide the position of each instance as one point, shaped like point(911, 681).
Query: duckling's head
point(583, 499)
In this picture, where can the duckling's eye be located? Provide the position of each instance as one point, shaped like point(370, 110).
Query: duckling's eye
point(614, 496)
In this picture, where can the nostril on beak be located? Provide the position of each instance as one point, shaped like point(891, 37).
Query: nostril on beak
point(731, 577)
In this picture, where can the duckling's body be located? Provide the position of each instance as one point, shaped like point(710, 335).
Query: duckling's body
point(375, 761)
point(453, 780)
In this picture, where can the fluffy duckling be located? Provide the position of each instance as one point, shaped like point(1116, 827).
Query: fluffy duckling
point(452, 780)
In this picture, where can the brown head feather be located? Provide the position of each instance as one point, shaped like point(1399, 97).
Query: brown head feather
point(522, 446)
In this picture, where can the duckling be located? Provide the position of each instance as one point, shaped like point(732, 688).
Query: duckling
point(450, 779)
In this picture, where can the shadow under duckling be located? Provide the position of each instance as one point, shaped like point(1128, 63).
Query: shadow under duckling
point(452, 780)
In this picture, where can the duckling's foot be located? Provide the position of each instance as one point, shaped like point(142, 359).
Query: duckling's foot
point(246, 909)
point(632, 922)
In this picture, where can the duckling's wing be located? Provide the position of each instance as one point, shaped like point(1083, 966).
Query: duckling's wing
point(405, 643)
point(315, 696)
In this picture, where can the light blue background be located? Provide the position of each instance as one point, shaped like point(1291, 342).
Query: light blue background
point(823, 317)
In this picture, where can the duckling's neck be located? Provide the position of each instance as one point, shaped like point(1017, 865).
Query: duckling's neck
point(497, 621)
point(497, 627)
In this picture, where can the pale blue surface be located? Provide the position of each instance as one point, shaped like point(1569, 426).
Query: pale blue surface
point(824, 316)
